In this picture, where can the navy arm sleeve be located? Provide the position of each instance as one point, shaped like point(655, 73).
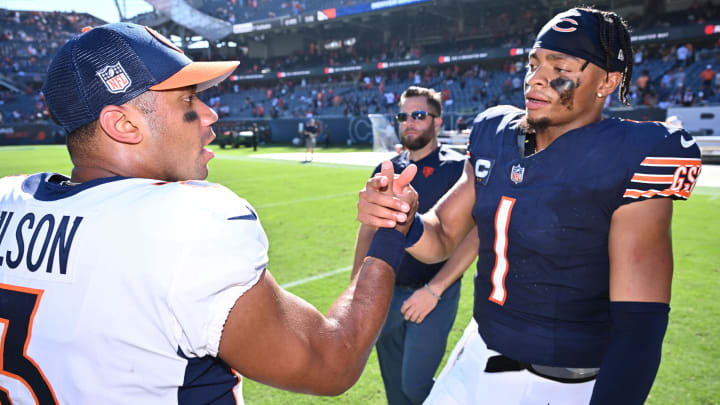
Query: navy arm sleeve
point(632, 358)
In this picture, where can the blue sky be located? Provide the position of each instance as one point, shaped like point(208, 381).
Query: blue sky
point(104, 9)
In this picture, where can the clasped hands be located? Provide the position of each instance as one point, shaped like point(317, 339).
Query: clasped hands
point(388, 200)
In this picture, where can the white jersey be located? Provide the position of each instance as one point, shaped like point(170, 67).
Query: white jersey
point(116, 291)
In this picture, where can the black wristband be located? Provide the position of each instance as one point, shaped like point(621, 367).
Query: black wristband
point(388, 245)
point(415, 232)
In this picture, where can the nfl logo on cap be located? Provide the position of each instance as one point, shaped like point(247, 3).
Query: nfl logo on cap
point(516, 174)
point(115, 78)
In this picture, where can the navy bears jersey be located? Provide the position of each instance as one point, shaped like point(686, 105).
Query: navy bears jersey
point(542, 284)
point(437, 173)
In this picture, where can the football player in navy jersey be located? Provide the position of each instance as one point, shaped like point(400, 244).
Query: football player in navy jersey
point(573, 214)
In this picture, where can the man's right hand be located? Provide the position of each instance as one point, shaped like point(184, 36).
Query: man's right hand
point(388, 200)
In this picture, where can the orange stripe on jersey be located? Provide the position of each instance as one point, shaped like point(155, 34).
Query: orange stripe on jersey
point(652, 178)
point(652, 193)
point(669, 161)
point(237, 387)
point(6, 322)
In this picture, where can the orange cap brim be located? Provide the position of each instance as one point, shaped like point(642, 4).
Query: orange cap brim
point(203, 75)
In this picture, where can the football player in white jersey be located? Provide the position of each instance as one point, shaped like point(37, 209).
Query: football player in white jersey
point(133, 281)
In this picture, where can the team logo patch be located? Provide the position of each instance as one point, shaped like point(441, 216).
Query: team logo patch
point(566, 28)
point(516, 174)
point(428, 171)
point(115, 78)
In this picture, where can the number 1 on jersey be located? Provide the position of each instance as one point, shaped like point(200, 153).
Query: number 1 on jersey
point(502, 220)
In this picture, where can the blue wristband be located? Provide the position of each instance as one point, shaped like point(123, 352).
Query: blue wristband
point(415, 232)
point(387, 245)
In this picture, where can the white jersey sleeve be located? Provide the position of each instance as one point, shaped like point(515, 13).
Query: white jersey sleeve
point(224, 258)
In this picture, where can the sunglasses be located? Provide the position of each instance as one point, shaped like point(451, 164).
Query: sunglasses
point(418, 115)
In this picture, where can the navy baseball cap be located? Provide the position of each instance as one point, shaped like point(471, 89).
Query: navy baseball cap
point(576, 32)
point(114, 63)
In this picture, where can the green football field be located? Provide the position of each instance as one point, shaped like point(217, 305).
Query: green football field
point(308, 212)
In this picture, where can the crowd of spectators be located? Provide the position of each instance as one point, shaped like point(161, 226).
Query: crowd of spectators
point(660, 80)
point(678, 75)
point(28, 41)
point(30, 38)
point(665, 76)
point(239, 11)
point(498, 22)
point(497, 29)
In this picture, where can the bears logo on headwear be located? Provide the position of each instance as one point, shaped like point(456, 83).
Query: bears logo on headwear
point(561, 29)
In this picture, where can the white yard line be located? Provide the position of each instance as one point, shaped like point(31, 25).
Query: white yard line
point(315, 277)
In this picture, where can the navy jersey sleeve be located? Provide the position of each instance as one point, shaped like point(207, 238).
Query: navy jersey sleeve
point(498, 116)
point(486, 137)
point(495, 120)
point(670, 169)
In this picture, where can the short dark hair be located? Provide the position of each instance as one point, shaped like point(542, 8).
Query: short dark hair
point(433, 98)
point(79, 140)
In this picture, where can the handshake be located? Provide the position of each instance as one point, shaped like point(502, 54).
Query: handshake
point(388, 200)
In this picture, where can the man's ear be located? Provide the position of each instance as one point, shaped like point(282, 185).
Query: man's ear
point(121, 123)
point(611, 82)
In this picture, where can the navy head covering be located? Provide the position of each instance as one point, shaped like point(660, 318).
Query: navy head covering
point(113, 64)
point(576, 32)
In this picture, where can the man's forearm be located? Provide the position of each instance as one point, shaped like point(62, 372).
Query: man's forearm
point(359, 314)
point(362, 244)
point(437, 243)
point(458, 263)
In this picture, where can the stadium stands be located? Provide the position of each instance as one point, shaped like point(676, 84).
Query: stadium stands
point(30, 38)
point(468, 91)
point(253, 10)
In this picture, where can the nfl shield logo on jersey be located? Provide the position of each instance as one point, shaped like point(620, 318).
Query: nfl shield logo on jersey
point(516, 173)
point(115, 78)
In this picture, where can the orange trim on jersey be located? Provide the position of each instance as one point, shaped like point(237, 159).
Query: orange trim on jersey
point(670, 161)
point(2, 341)
point(652, 178)
point(652, 193)
point(39, 294)
point(7, 394)
point(239, 376)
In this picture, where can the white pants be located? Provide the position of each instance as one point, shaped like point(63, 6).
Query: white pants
point(464, 381)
